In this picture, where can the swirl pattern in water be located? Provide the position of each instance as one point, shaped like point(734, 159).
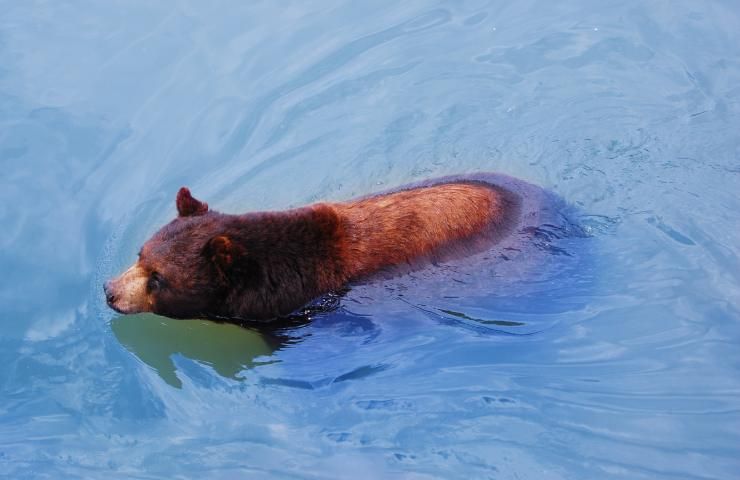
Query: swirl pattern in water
point(611, 352)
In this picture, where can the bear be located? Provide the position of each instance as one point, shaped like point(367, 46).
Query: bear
point(266, 265)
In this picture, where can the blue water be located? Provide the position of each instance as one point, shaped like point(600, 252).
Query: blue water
point(619, 358)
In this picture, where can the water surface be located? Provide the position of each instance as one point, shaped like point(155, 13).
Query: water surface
point(618, 359)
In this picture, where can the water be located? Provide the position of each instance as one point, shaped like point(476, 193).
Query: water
point(617, 359)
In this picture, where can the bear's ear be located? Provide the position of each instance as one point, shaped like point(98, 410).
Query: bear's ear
point(187, 205)
point(222, 252)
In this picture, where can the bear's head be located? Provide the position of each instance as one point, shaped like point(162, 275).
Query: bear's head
point(183, 269)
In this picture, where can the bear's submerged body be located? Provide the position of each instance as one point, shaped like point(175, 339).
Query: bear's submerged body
point(268, 264)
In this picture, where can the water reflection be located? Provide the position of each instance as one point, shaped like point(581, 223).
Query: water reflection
point(227, 348)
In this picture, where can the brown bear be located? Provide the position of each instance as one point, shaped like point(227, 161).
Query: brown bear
point(263, 265)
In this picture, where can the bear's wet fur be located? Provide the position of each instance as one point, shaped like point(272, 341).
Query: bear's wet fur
point(258, 266)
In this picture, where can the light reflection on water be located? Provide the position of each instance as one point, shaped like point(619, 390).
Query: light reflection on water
point(616, 358)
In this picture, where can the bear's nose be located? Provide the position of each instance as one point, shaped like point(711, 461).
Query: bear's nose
point(110, 297)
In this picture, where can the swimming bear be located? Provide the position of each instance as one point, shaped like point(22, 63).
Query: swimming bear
point(258, 266)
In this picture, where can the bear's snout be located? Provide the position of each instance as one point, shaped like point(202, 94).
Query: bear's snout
point(110, 297)
point(127, 292)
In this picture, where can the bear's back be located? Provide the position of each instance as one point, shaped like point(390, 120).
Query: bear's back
point(436, 221)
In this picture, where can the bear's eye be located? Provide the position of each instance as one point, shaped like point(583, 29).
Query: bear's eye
point(155, 282)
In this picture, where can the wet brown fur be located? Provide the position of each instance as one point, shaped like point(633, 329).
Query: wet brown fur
point(267, 264)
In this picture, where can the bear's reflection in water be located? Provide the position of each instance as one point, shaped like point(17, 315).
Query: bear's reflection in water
point(227, 348)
